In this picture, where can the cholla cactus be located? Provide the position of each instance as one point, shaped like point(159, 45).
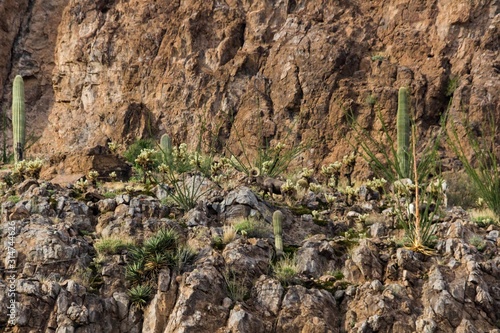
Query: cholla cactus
point(81, 185)
point(267, 166)
point(349, 162)
point(306, 173)
point(330, 198)
point(34, 167)
point(92, 176)
point(3, 188)
point(145, 160)
point(332, 173)
point(404, 187)
point(350, 193)
point(180, 153)
point(113, 147)
point(331, 169)
point(27, 169)
point(376, 184)
point(288, 188)
point(315, 188)
point(113, 176)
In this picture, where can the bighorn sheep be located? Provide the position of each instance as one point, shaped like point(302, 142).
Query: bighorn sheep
point(267, 184)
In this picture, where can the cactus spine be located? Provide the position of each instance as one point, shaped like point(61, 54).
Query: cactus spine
point(278, 232)
point(18, 118)
point(403, 135)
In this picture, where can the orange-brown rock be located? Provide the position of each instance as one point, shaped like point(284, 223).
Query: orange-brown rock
point(118, 70)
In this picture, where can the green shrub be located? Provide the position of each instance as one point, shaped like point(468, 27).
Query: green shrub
point(235, 286)
point(286, 270)
point(112, 245)
point(140, 295)
point(396, 164)
point(135, 149)
point(185, 173)
point(251, 227)
point(460, 192)
point(485, 172)
point(183, 256)
point(478, 242)
point(164, 240)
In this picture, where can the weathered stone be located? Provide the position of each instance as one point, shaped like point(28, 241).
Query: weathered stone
point(300, 303)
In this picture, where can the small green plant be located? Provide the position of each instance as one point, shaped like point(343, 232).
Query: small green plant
point(378, 57)
point(140, 295)
point(371, 100)
point(478, 242)
point(251, 227)
point(184, 255)
point(451, 86)
point(338, 275)
point(483, 217)
point(112, 245)
point(14, 198)
point(485, 173)
point(236, 287)
point(286, 269)
point(135, 149)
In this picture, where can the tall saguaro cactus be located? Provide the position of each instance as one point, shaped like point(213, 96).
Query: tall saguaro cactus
point(18, 118)
point(278, 232)
point(403, 135)
point(166, 147)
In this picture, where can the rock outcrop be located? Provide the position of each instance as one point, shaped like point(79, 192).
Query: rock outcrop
point(344, 282)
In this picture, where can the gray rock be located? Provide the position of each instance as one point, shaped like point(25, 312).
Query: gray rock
point(267, 294)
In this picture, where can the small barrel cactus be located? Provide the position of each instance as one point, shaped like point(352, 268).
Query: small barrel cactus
point(278, 232)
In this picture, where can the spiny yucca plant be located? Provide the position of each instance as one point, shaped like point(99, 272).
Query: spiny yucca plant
point(185, 172)
point(270, 160)
point(418, 220)
point(398, 164)
point(155, 253)
point(140, 295)
point(393, 160)
point(485, 172)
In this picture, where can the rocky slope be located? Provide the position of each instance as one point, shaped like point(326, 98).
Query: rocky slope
point(354, 281)
point(119, 70)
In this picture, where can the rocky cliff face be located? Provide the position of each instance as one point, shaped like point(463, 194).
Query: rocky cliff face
point(356, 281)
point(120, 70)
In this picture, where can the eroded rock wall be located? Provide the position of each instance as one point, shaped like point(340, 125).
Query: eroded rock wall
point(119, 70)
